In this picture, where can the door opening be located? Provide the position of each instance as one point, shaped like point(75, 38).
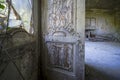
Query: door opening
point(102, 44)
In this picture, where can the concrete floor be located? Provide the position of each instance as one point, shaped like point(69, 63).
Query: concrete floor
point(103, 58)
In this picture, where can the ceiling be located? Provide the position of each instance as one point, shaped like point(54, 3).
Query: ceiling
point(103, 4)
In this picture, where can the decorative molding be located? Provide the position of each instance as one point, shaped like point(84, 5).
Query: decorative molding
point(60, 55)
point(60, 15)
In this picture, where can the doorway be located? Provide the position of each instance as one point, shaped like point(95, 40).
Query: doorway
point(102, 46)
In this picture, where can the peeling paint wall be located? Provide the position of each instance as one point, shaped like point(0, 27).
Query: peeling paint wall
point(107, 22)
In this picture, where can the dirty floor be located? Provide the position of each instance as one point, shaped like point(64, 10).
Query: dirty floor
point(102, 60)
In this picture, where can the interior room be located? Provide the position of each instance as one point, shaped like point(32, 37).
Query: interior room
point(102, 43)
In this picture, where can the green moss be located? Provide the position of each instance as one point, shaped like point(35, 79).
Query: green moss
point(2, 6)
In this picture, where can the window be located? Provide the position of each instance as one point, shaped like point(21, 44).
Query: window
point(90, 22)
point(20, 15)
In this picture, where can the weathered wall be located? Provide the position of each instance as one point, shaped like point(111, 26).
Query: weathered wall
point(107, 21)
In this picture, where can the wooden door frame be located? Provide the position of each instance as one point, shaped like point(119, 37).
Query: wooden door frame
point(37, 23)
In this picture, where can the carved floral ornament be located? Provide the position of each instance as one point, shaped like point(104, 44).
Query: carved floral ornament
point(60, 18)
point(60, 14)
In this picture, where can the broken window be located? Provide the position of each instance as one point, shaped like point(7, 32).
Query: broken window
point(19, 13)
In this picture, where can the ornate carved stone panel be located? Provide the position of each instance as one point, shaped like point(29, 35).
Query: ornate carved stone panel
point(61, 25)
point(63, 43)
point(60, 14)
point(60, 55)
